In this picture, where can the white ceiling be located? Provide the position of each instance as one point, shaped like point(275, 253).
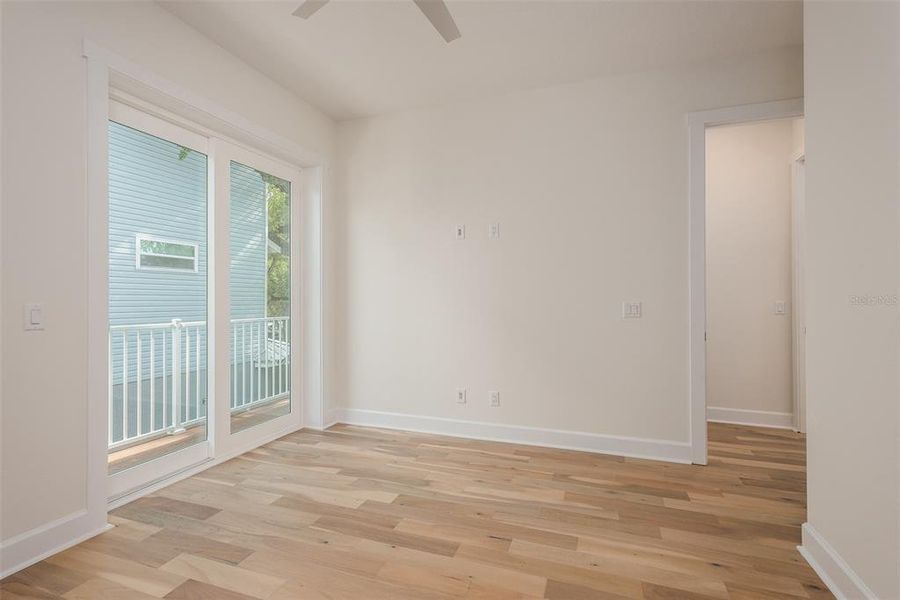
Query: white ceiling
point(358, 58)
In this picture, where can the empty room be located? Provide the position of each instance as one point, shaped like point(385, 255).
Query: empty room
point(436, 299)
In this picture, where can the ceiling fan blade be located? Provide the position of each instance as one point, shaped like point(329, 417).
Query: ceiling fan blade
point(436, 12)
point(308, 8)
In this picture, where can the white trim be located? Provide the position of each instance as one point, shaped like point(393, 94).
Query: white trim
point(133, 79)
point(312, 294)
point(757, 418)
point(697, 123)
point(666, 450)
point(159, 127)
point(37, 544)
point(138, 476)
point(97, 198)
point(834, 571)
point(798, 283)
point(332, 418)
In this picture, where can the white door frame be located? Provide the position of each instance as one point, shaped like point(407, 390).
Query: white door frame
point(697, 125)
point(111, 75)
point(798, 304)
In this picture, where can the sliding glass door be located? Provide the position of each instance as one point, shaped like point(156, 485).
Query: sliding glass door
point(158, 292)
point(260, 278)
point(184, 207)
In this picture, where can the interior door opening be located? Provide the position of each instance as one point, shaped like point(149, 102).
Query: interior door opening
point(755, 334)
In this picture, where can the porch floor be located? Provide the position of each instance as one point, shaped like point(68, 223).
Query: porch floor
point(125, 458)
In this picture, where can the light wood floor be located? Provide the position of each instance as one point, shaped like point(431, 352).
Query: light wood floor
point(370, 514)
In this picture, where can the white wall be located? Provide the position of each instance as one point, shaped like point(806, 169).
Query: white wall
point(799, 133)
point(44, 221)
point(748, 264)
point(589, 184)
point(852, 70)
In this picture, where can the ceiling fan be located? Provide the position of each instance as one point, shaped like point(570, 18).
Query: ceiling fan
point(434, 10)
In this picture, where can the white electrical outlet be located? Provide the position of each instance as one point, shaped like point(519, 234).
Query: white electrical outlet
point(494, 231)
point(460, 232)
point(494, 398)
point(461, 396)
point(780, 307)
point(631, 310)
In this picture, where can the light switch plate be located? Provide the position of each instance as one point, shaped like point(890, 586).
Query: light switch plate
point(631, 310)
point(780, 307)
point(461, 396)
point(494, 231)
point(460, 232)
point(494, 398)
point(33, 317)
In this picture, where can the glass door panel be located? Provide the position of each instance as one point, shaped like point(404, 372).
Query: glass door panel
point(260, 296)
point(157, 291)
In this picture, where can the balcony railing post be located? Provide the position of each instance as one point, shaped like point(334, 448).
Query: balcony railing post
point(176, 376)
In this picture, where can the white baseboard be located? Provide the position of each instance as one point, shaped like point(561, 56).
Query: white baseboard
point(758, 418)
point(36, 544)
point(666, 450)
point(46, 540)
point(834, 571)
point(332, 417)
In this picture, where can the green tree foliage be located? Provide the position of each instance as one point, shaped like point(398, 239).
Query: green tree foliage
point(278, 262)
point(278, 265)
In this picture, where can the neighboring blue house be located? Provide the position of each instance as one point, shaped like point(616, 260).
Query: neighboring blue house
point(158, 273)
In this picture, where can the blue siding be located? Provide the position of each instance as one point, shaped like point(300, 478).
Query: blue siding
point(247, 282)
point(154, 193)
point(155, 190)
point(159, 191)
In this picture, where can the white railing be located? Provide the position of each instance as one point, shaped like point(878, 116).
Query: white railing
point(158, 374)
point(260, 361)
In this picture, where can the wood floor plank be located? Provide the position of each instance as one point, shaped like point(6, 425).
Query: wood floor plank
point(358, 513)
point(43, 579)
point(176, 507)
point(101, 589)
point(197, 590)
point(127, 573)
point(230, 577)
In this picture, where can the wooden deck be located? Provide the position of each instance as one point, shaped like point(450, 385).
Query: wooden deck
point(125, 458)
point(119, 460)
point(357, 513)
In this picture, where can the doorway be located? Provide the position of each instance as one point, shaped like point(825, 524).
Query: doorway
point(198, 365)
point(753, 288)
point(698, 123)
